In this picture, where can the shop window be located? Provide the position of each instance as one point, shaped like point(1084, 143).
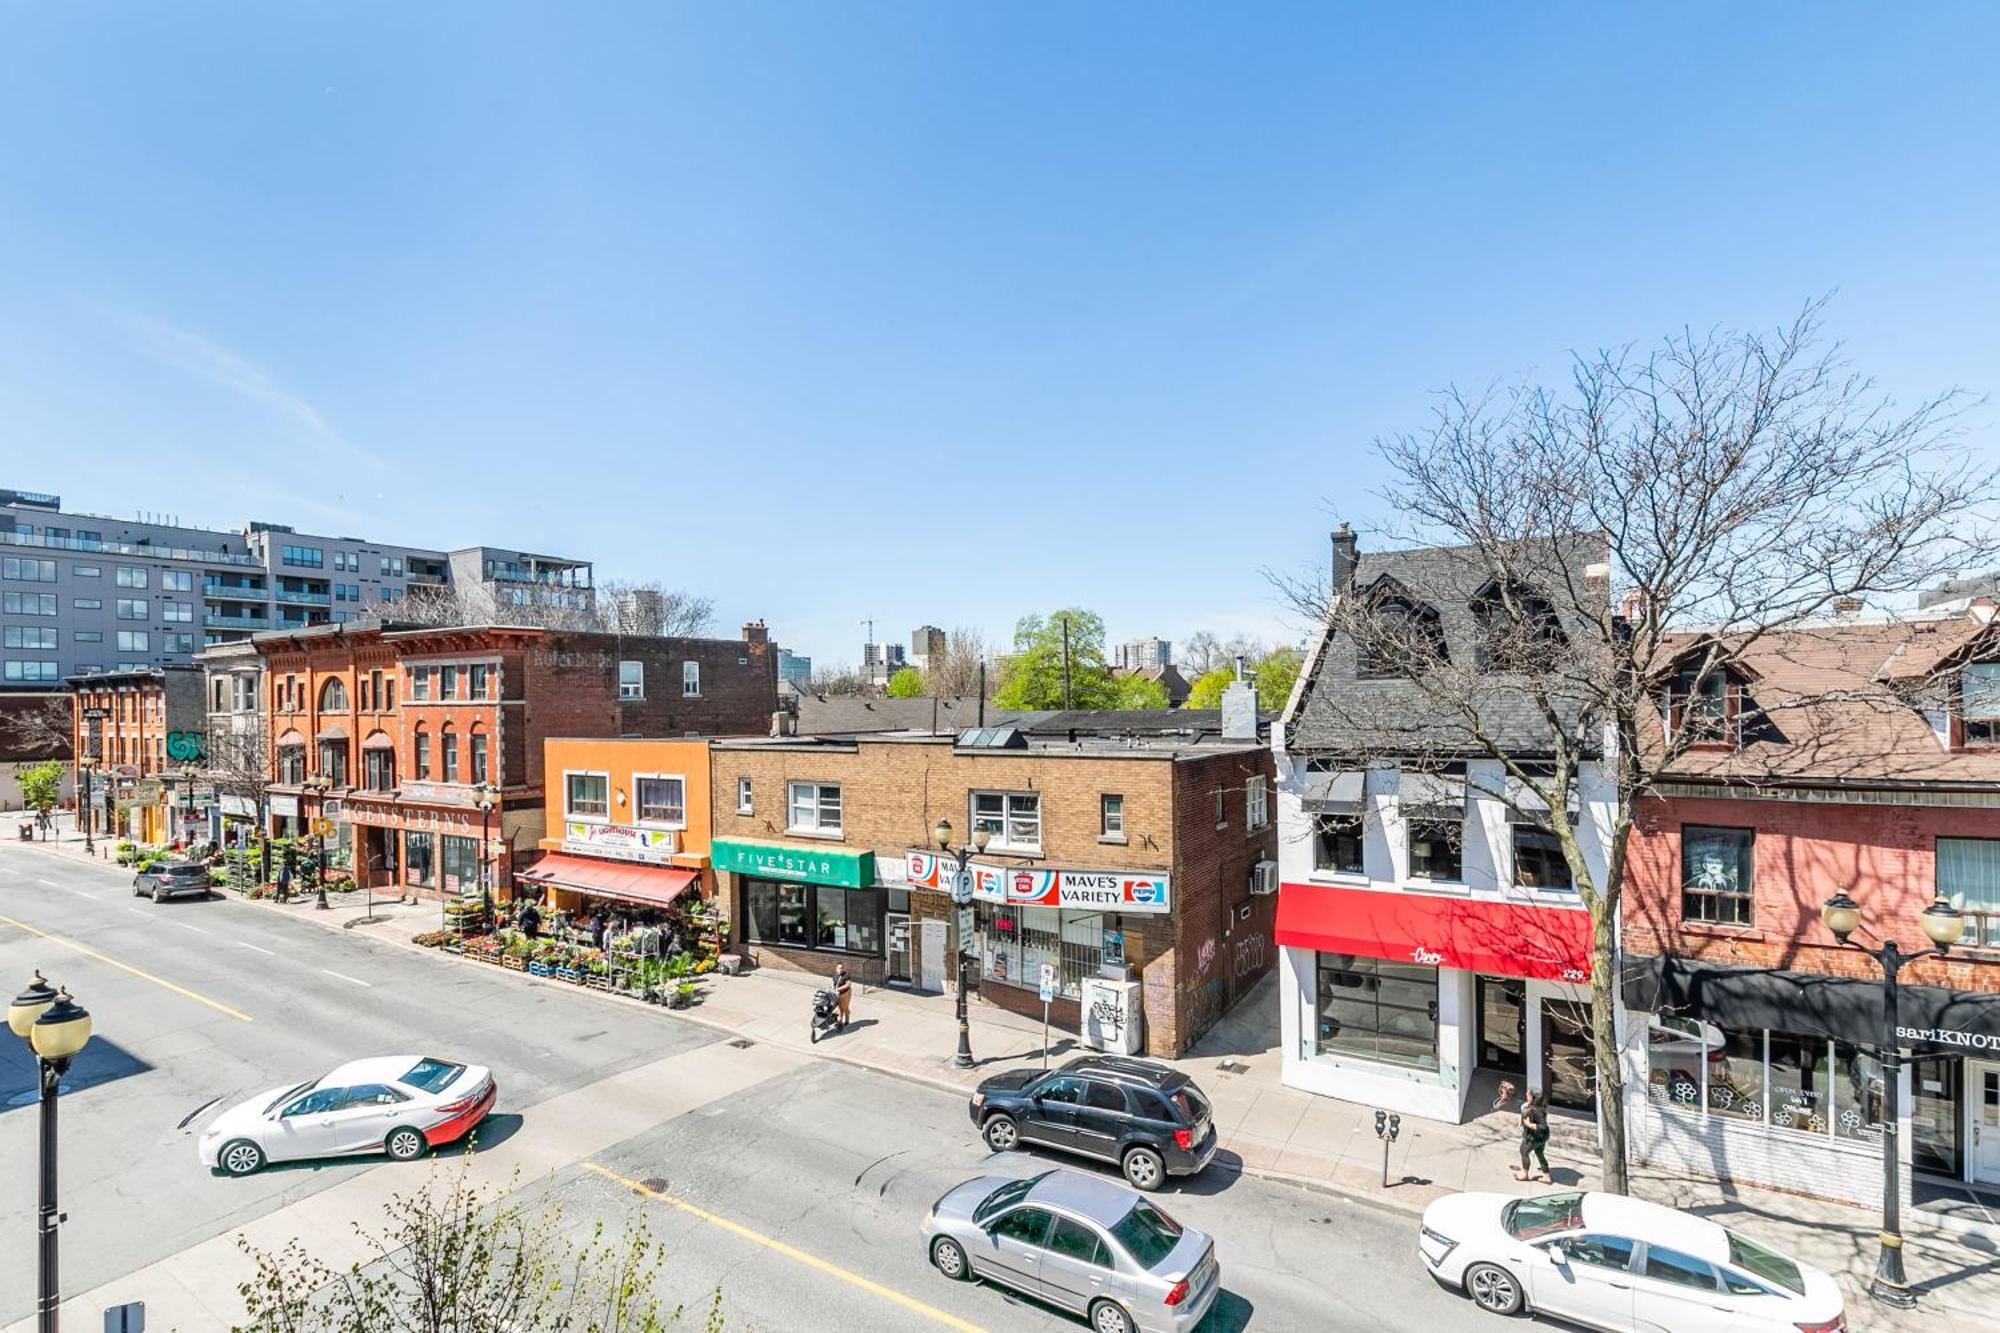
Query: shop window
point(1111, 816)
point(814, 916)
point(1014, 942)
point(847, 920)
point(459, 860)
point(1968, 875)
point(1859, 1095)
point(631, 680)
point(420, 859)
point(813, 807)
point(1798, 1075)
point(1256, 804)
point(1012, 819)
point(1736, 1076)
point(1716, 875)
point(1539, 862)
point(1337, 844)
point(587, 795)
point(662, 801)
point(1437, 849)
point(1373, 1009)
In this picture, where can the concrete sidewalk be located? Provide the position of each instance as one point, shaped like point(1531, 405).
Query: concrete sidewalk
point(1276, 1132)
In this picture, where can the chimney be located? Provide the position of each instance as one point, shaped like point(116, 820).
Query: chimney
point(1345, 557)
point(1633, 605)
point(1846, 607)
point(784, 724)
point(756, 634)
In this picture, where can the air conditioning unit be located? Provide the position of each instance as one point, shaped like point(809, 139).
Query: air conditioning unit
point(1264, 877)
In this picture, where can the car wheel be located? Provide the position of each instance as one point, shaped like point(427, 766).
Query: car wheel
point(1002, 1134)
point(240, 1157)
point(1109, 1317)
point(1493, 1289)
point(950, 1259)
point(159, 894)
point(1144, 1170)
point(404, 1144)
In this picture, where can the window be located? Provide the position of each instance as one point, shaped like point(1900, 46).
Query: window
point(420, 859)
point(1111, 816)
point(1337, 844)
point(662, 801)
point(447, 682)
point(181, 613)
point(848, 920)
point(813, 807)
point(87, 571)
point(814, 916)
point(1436, 849)
point(1968, 875)
point(1600, 1251)
point(180, 643)
point(177, 580)
point(743, 806)
point(131, 576)
point(291, 764)
point(1681, 1270)
point(132, 608)
point(25, 670)
point(1012, 819)
point(1518, 630)
point(333, 762)
point(88, 636)
point(1716, 875)
point(1979, 702)
point(631, 680)
point(1705, 708)
point(587, 795)
point(1767, 1264)
point(1539, 862)
point(27, 570)
point(333, 696)
point(1397, 637)
point(1026, 1225)
point(476, 749)
point(476, 680)
point(87, 603)
point(134, 641)
point(691, 679)
point(420, 682)
point(1859, 1095)
point(1378, 1010)
point(389, 694)
point(304, 557)
point(1542, 1215)
point(420, 755)
point(1074, 1240)
point(448, 753)
point(1104, 1097)
point(378, 769)
point(28, 603)
point(1798, 1074)
point(458, 858)
point(1147, 1234)
point(19, 636)
point(1256, 803)
point(1221, 810)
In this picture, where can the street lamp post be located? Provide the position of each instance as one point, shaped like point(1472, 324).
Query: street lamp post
point(321, 784)
point(84, 765)
point(1944, 925)
point(486, 796)
point(188, 774)
point(961, 896)
point(55, 1028)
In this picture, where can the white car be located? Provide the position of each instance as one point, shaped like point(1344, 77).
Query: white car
point(1611, 1262)
point(402, 1105)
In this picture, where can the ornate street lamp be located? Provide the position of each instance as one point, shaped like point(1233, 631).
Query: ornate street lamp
point(485, 796)
point(319, 784)
point(961, 896)
point(188, 774)
point(1945, 926)
point(83, 766)
point(56, 1028)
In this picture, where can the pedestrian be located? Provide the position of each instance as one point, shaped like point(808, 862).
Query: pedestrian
point(531, 920)
point(597, 930)
point(285, 877)
point(1535, 1136)
point(843, 992)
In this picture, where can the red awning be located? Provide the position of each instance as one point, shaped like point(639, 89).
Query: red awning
point(1479, 935)
point(654, 885)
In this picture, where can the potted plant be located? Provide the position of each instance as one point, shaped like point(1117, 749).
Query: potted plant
point(681, 996)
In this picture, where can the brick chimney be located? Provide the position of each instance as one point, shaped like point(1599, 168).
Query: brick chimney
point(1845, 607)
point(1345, 557)
point(756, 633)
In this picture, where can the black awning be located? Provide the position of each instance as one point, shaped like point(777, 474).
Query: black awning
point(1929, 1017)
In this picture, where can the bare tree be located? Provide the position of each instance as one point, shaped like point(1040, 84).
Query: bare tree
point(839, 678)
point(653, 610)
point(614, 607)
point(1625, 542)
point(956, 672)
point(1200, 654)
point(36, 730)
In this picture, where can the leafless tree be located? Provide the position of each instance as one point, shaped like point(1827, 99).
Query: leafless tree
point(1200, 654)
point(1667, 516)
point(956, 672)
point(37, 730)
point(615, 607)
point(839, 678)
point(653, 610)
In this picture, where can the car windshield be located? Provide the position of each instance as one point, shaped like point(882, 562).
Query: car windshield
point(1192, 1104)
point(1543, 1215)
point(1147, 1234)
point(1006, 1196)
point(433, 1075)
point(290, 1093)
point(1748, 1255)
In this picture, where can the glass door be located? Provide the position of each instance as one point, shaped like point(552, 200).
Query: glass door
point(1503, 1025)
point(898, 954)
point(1983, 1080)
point(1935, 1081)
point(1569, 1069)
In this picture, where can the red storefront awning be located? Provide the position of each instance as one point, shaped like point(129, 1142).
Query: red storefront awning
point(1479, 935)
point(656, 886)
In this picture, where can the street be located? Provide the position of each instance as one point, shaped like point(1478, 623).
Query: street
point(795, 1184)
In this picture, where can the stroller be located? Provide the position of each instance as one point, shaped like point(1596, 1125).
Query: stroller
point(826, 1014)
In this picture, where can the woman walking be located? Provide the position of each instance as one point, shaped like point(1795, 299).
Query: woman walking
point(1535, 1137)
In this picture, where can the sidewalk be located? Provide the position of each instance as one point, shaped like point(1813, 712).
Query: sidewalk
point(1275, 1132)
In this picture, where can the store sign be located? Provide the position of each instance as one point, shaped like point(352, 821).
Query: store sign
point(1022, 886)
point(239, 807)
point(282, 804)
point(784, 860)
point(1975, 1041)
point(620, 841)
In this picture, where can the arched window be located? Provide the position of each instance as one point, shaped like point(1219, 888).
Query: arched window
point(476, 743)
point(448, 754)
point(333, 696)
point(1397, 635)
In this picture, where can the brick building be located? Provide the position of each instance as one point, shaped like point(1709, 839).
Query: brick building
point(138, 729)
point(1139, 856)
point(425, 745)
point(1857, 757)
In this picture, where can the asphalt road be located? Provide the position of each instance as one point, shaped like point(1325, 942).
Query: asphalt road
point(799, 1196)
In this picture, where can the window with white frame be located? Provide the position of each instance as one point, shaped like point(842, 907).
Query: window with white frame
point(1012, 819)
point(587, 795)
point(691, 679)
point(662, 800)
point(631, 680)
point(177, 580)
point(1256, 803)
point(1111, 815)
point(131, 576)
point(743, 805)
point(420, 683)
point(812, 807)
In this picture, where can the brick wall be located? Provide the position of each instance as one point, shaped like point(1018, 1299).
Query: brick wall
point(1225, 942)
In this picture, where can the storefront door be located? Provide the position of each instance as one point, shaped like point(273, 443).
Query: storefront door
point(1982, 1080)
point(897, 928)
point(1503, 1025)
point(1569, 1073)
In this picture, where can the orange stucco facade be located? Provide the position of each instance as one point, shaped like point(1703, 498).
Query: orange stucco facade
point(622, 827)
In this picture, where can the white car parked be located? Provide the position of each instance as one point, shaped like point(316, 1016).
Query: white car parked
point(402, 1105)
point(1620, 1264)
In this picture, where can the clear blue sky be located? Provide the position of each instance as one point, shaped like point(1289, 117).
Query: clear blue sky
point(935, 312)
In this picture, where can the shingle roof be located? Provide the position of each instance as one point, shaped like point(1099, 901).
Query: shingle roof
point(852, 715)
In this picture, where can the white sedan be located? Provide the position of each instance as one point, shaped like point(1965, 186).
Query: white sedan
point(402, 1105)
point(1616, 1263)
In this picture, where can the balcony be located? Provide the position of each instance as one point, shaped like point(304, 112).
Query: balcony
point(128, 548)
point(304, 598)
point(217, 620)
point(240, 590)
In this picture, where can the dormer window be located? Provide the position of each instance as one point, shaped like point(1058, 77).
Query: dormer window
point(1399, 636)
point(1979, 703)
point(1518, 630)
point(1706, 711)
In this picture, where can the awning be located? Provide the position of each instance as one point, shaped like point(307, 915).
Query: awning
point(377, 740)
point(291, 737)
point(1431, 796)
point(1339, 793)
point(656, 886)
point(333, 731)
point(1479, 935)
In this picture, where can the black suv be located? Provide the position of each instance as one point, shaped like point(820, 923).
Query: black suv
point(1149, 1119)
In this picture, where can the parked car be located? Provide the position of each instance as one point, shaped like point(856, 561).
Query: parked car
point(1611, 1262)
point(1149, 1119)
point(1078, 1242)
point(402, 1105)
point(182, 879)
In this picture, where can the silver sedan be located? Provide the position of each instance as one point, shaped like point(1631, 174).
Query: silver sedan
point(1081, 1243)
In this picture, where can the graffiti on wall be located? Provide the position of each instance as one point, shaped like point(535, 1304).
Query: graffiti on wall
point(1251, 955)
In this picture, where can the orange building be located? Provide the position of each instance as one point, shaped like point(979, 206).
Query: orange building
point(628, 827)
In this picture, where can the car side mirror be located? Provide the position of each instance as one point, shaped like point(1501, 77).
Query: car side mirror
point(1559, 1252)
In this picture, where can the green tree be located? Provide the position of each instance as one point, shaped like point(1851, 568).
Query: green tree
point(1138, 692)
point(1275, 675)
point(1034, 673)
point(907, 683)
point(41, 785)
point(1206, 692)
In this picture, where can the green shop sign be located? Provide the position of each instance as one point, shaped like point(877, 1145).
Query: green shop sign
point(786, 860)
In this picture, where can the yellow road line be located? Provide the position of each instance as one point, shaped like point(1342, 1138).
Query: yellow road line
point(216, 1005)
point(812, 1261)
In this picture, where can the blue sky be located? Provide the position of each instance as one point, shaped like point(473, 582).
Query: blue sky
point(928, 313)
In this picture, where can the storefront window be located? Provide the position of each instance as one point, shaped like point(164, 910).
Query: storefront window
point(1378, 1010)
point(813, 916)
point(1799, 1083)
point(420, 859)
point(1736, 1076)
point(850, 920)
point(1934, 1085)
point(1858, 1096)
point(460, 857)
point(1015, 942)
point(1676, 1050)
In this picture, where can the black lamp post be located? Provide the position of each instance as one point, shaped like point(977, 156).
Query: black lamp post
point(56, 1028)
point(942, 836)
point(320, 784)
point(486, 796)
point(1944, 925)
point(188, 774)
point(83, 767)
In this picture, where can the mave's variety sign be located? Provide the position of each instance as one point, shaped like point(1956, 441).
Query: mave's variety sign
point(1024, 886)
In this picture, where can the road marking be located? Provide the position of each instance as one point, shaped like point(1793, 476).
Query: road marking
point(185, 926)
point(344, 977)
point(259, 948)
point(216, 1005)
point(811, 1261)
point(66, 888)
point(140, 911)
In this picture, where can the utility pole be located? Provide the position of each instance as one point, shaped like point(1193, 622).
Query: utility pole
point(1065, 623)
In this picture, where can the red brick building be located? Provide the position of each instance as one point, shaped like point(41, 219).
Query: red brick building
point(1855, 757)
point(138, 729)
point(424, 745)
